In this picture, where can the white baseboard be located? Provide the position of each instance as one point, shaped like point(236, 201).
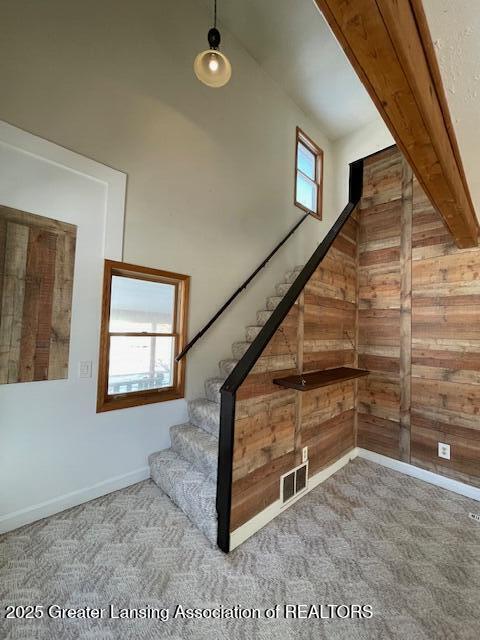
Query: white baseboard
point(421, 474)
point(17, 519)
point(25, 516)
point(267, 515)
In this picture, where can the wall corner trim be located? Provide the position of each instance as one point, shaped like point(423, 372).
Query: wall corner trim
point(17, 519)
point(421, 474)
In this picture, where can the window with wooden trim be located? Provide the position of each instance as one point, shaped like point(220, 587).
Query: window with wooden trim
point(144, 324)
point(308, 175)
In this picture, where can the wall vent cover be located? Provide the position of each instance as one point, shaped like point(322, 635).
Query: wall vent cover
point(293, 483)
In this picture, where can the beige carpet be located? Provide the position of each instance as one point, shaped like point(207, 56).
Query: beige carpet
point(367, 536)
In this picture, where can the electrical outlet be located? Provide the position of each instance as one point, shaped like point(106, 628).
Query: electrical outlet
point(304, 454)
point(85, 369)
point(444, 450)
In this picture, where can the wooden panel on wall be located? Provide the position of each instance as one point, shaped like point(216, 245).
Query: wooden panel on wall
point(424, 352)
point(14, 261)
point(328, 439)
point(36, 281)
point(273, 424)
point(379, 302)
point(445, 347)
point(405, 312)
point(378, 434)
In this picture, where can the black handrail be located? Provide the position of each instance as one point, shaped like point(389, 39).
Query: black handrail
point(248, 360)
point(197, 337)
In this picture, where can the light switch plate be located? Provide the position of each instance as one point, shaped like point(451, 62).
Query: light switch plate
point(85, 369)
point(444, 450)
point(304, 454)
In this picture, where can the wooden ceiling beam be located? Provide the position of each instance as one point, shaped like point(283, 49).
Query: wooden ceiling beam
point(390, 48)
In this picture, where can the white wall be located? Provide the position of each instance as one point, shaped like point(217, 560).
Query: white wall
point(210, 172)
point(361, 143)
point(54, 448)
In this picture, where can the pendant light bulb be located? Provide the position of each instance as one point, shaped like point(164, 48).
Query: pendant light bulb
point(211, 66)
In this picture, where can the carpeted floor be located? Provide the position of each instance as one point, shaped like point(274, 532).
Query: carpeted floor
point(367, 536)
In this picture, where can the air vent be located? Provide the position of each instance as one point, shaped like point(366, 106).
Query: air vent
point(293, 483)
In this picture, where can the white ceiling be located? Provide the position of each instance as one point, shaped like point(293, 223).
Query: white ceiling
point(455, 30)
point(292, 42)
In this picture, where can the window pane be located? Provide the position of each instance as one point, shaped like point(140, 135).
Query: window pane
point(141, 305)
point(140, 363)
point(306, 192)
point(306, 161)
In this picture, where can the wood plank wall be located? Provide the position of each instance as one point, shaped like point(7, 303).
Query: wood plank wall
point(379, 299)
point(419, 327)
point(394, 295)
point(272, 424)
point(36, 280)
point(445, 347)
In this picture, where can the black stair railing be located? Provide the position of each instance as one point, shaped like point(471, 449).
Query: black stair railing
point(248, 360)
point(243, 286)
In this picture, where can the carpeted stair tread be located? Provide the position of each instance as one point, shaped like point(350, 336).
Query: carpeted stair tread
point(273, 302)
point(239, 349)
point(227, 366)
point(291, 276)
point(188, 488)
point(197, 447)
point(205, 414)
point(263, 316)
point(282, 288)
point(212, 389)
point(252, 332)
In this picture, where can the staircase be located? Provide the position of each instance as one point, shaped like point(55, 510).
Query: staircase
point(187, 472)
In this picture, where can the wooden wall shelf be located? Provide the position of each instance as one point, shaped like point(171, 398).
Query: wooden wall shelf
point(316, 379)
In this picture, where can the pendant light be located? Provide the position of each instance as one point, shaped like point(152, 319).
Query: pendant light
point(212, 67)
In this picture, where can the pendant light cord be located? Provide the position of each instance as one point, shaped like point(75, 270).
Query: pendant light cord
point(215, 13)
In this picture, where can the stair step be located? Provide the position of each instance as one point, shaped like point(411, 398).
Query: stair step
point(282, 288)
point(189, 489)
point(212, 389)
point(227, 366)
point(187, 471)
point(197, 447)
point(205, 414)
point(291, 276)
point(252, 332)
point(239, 349)
point(273, 302)
point(263, 316)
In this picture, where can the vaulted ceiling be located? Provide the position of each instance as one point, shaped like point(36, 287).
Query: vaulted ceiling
point(291, 40)
point(293, 43)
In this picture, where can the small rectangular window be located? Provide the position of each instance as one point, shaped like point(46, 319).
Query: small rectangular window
point(308, 175)
point(143, 329)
